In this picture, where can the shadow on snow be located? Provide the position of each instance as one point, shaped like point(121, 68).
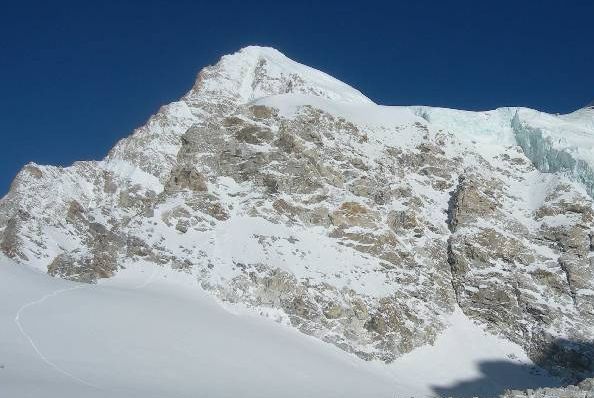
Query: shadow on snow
point(566, 362)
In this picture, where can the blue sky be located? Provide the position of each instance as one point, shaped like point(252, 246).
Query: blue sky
point(76, 76)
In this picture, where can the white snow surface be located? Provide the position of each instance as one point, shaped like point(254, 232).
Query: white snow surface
point(255, 72)
point(153, 333)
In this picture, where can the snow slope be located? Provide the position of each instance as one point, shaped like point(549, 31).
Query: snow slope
point(146, 333)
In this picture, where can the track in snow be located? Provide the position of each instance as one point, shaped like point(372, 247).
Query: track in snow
point(40, 354)
point(17, 321)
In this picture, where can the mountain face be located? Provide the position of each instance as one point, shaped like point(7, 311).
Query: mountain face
point(281, 188)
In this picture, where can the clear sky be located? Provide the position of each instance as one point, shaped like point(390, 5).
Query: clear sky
point(77, 76)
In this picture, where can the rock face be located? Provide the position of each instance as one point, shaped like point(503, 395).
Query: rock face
point(284, 189)
point(585, 389)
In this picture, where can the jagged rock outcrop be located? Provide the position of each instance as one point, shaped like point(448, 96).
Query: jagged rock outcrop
point(585, 389)
point(283, 189)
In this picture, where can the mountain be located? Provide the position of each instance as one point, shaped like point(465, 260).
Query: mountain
point(283, 190)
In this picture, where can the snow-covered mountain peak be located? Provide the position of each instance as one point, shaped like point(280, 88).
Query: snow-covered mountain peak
point(282, 189)
point(256, 72)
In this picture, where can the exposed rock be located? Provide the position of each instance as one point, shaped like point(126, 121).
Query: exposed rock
point(353, 214)
point(10, 242)
point(186, 178)
point(585, 389)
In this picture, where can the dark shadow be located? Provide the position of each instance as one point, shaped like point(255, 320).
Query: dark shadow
point(498, 376)
point(559, 364)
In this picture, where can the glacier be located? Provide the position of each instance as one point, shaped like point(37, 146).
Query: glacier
point(554, 146)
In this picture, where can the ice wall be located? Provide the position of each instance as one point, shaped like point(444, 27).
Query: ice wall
point(551, 154)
